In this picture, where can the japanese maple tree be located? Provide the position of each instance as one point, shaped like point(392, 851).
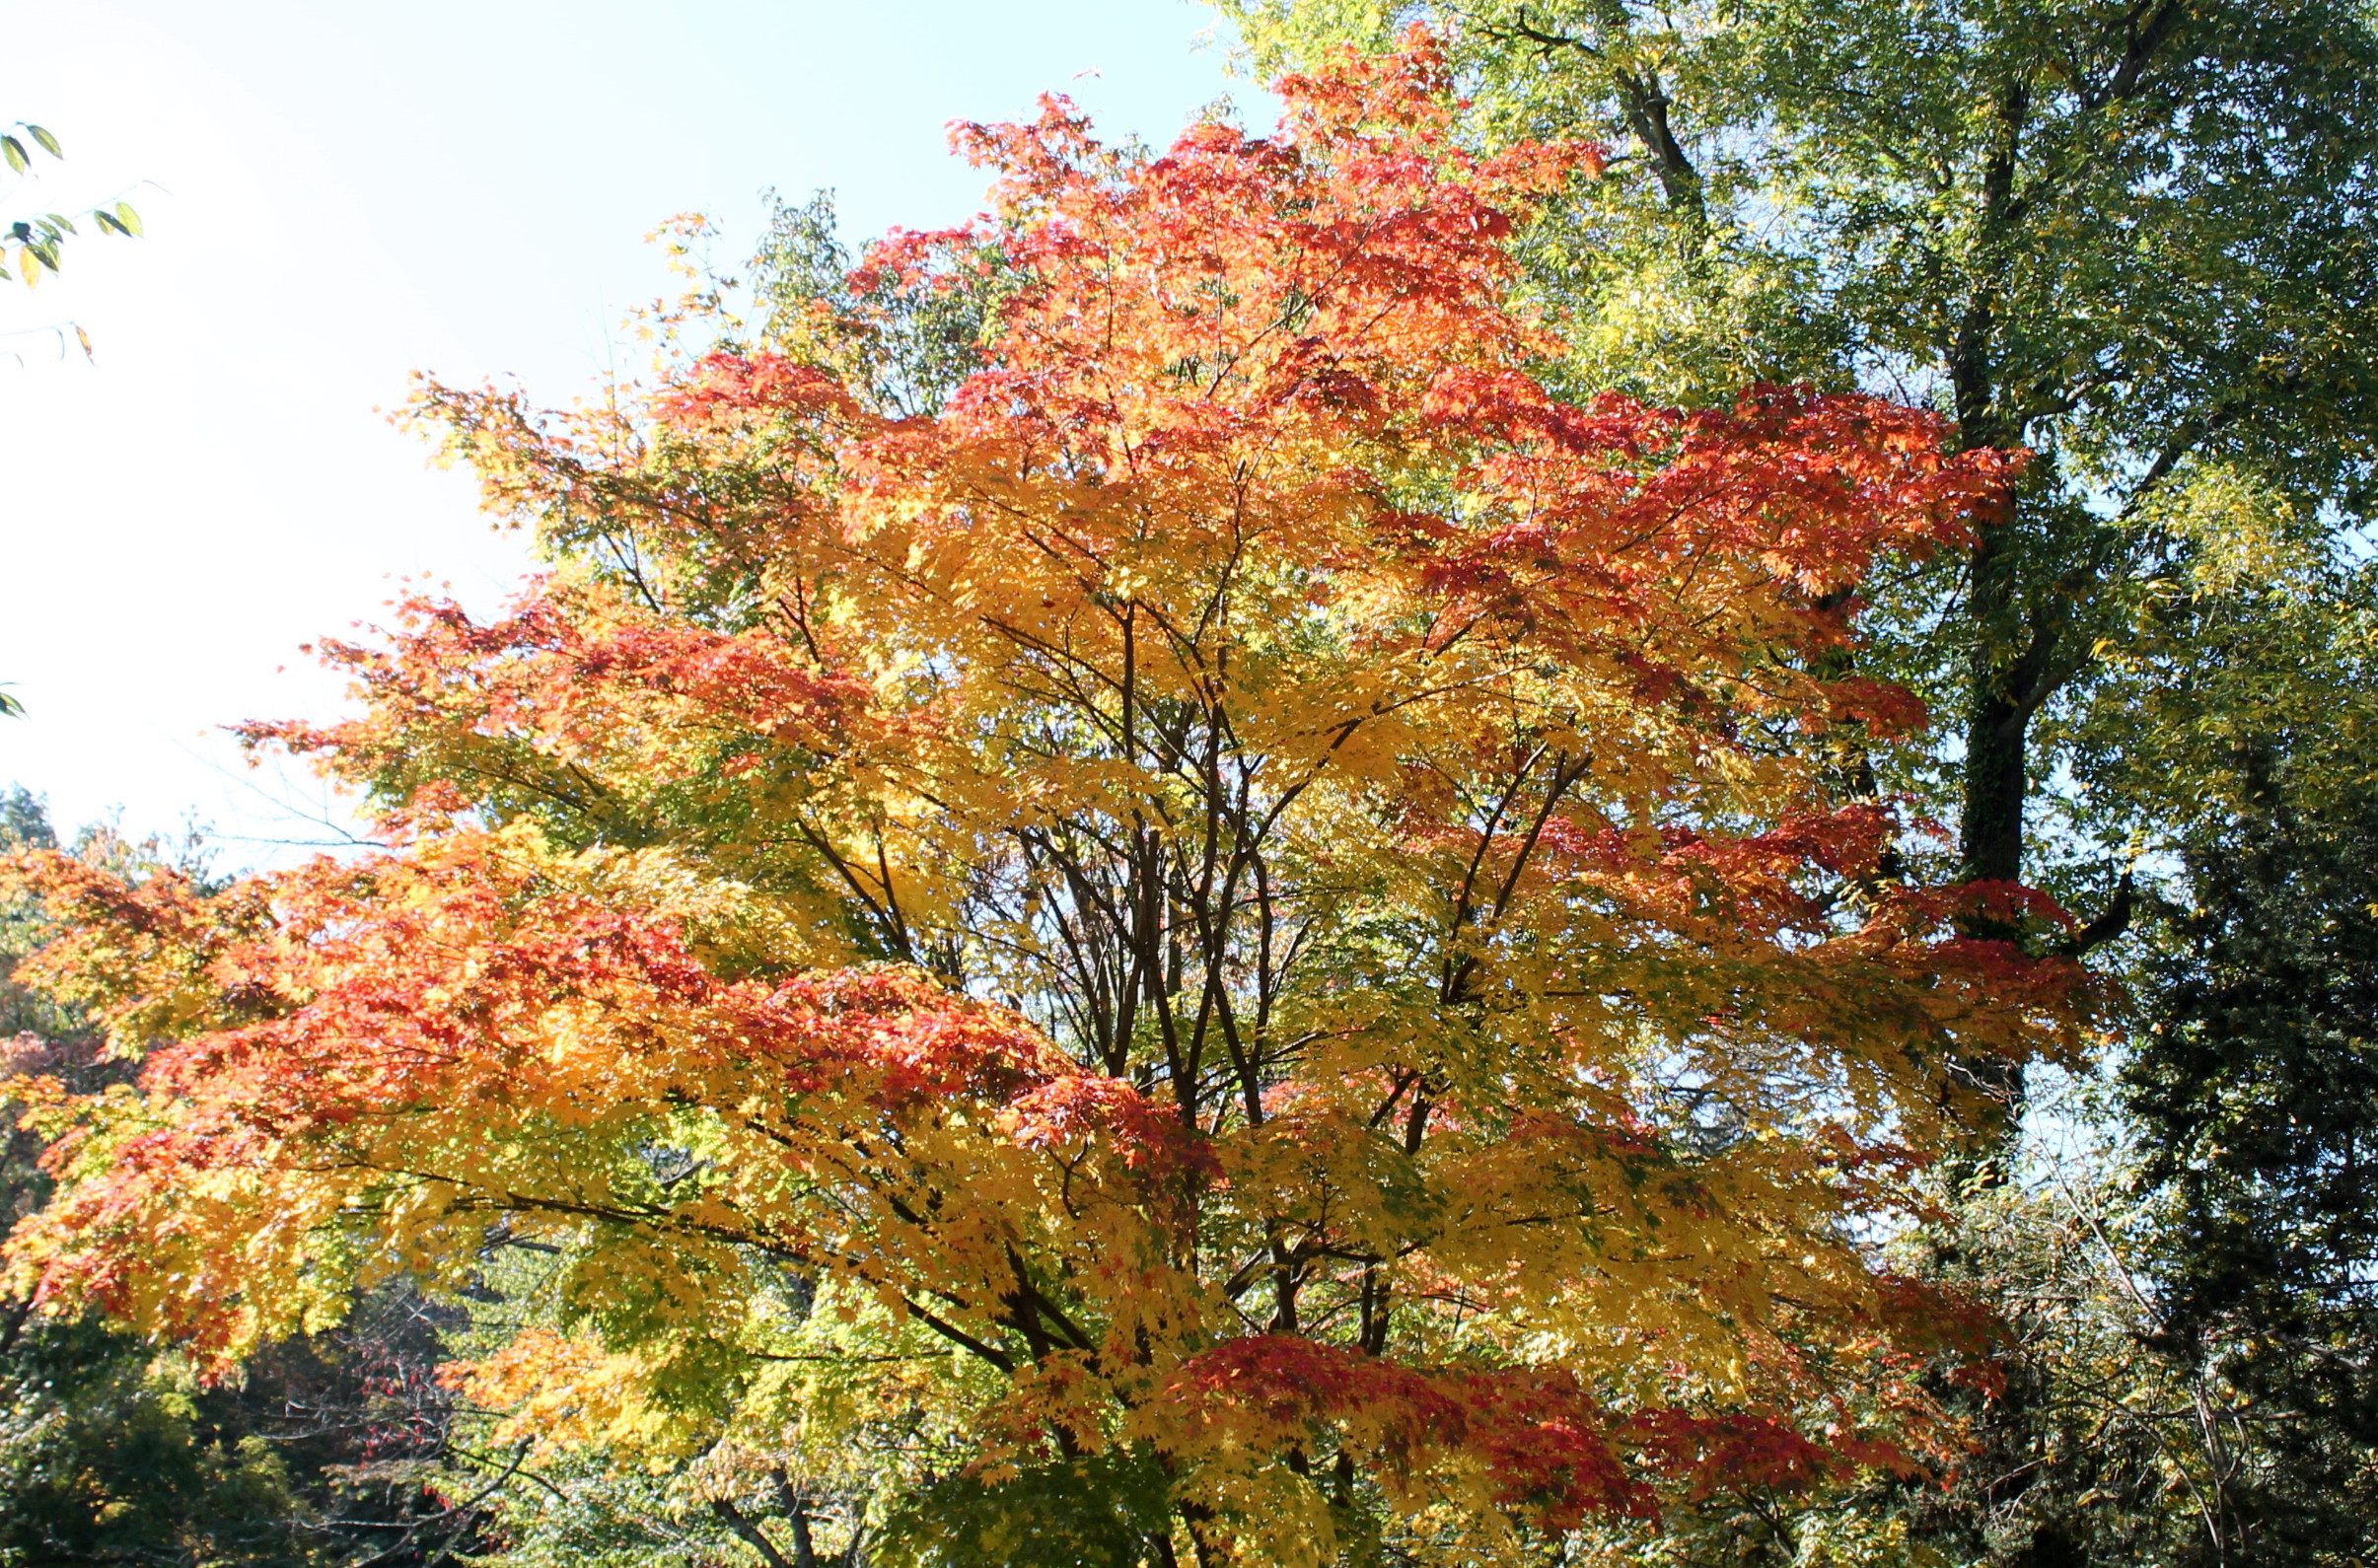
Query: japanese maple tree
point(1238, 934)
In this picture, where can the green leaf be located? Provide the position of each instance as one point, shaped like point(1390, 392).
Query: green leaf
point(127, 217)
point(50, 143)
point(15, 153)
point(107, 221)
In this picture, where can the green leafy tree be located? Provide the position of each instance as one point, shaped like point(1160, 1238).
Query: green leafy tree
point(2135, 237)
point(2260, 1086)
point(2253, 1086)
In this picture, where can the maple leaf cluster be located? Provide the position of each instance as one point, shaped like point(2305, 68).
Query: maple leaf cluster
point(1248, 888)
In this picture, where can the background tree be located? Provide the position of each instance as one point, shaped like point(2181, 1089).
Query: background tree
point(2258, 1088)
point(2252, 1085)
point(1217, 942)
point(2133, 237)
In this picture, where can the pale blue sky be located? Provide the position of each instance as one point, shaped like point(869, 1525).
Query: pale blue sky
point(339, 192)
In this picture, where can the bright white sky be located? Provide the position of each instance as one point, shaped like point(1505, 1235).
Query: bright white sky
point(338, 192)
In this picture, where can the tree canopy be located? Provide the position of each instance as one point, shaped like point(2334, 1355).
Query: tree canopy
point(1211, 934)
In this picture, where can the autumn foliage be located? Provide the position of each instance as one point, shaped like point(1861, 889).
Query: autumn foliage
point(1253, 889)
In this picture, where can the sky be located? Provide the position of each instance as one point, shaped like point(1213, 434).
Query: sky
point(336, 194)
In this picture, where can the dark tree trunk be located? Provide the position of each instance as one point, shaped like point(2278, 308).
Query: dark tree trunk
point(1997, 723)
